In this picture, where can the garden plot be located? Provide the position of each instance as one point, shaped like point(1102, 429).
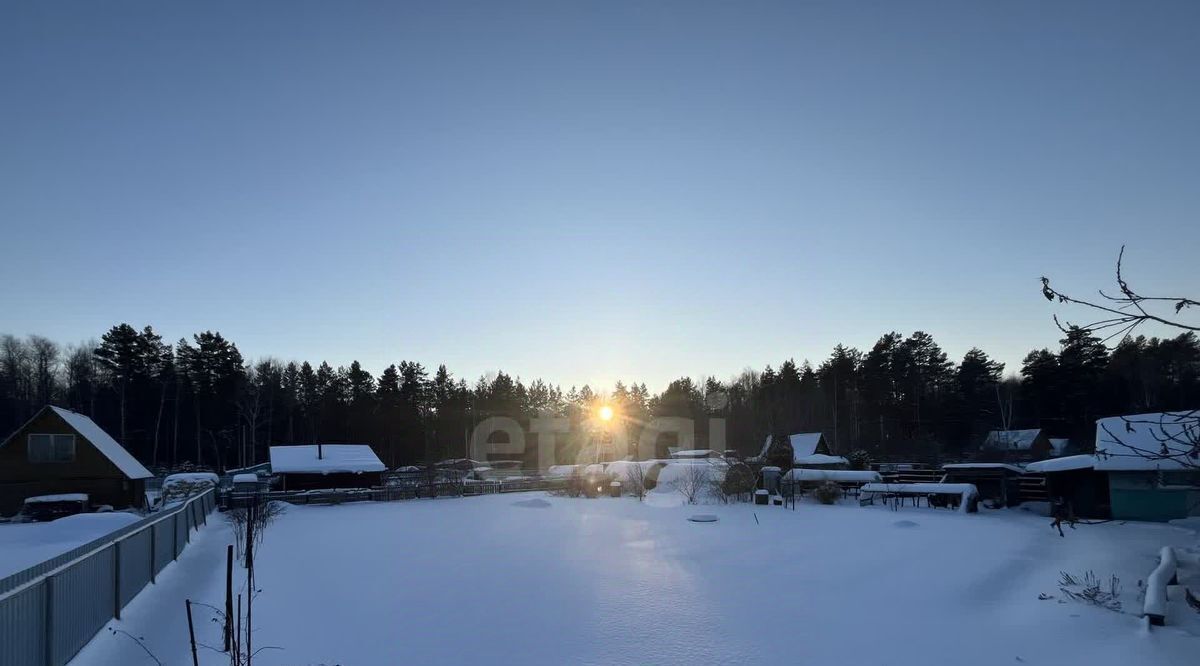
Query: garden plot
point(536, 579)
point(23, 545)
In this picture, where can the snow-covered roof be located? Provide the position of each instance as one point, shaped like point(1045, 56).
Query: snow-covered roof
point(245, 478)
point(1011, 440)
point(984, 465)
point(1059, 445)
point(560, 471)
point(697, 453)
point(624, 467)
point(819, 459)
point(335, 459)
point(65, 497)
point(103, 442)
point(1064, 464)
point(843, 475)
point(803, 444)
point(1147, 442)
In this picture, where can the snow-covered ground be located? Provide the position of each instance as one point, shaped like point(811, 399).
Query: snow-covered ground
point(534, 579)
point(23, 545)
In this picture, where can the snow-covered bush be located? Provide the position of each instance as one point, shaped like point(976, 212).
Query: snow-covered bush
point(738, 481)
point(691, 482)
point(576, 483)
point(262, 514)
point(781, 454)
point(859, 459)
point(632, 474)
point(178, 487)
point(827, 492)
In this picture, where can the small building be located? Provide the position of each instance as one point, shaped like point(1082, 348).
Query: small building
point(1075, 480)
point(62, 452)
point(326, 466)
point(999, 482)
point(1153, 464)
point(694, 454)
point(1017, 445)
point(246, 482)
point(1059, 446)
point(809, 450)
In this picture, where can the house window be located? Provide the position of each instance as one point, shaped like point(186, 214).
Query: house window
point(51, 448)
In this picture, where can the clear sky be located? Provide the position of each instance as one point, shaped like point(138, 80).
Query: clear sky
point(587, 191)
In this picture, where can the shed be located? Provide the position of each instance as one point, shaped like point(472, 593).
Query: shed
point(1000, 482)
point(1153, 464)
point(325, 466)
point(1075, 479)
point(1029, 444)
point(809, 449)
point(59, 451)
point(245, 482)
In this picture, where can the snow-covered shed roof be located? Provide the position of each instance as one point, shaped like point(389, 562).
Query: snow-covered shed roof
point(697, 453)
point(819, 459)
point(984, 465)
point(1064, 464)
point(335, 459)
point(64, 497)
point(803, 444)
point(245, 478)
point(1147, 442)
point(100, 440)
point(1011, 440)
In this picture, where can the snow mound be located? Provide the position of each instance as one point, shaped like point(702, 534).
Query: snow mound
point(533, 504)
point(905, 523)
point(191, 477)
point(49, 499)
point(703, 518)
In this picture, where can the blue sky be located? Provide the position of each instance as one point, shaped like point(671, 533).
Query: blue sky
point(593, 191)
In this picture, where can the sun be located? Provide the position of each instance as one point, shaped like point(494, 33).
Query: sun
point(606, 413)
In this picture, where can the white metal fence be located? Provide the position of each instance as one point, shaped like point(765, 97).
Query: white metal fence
point(51, 610)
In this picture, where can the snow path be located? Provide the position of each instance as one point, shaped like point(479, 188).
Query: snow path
point(608, 581)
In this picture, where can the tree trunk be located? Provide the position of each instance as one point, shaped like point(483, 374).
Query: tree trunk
point(175, 428)
point(199, 438)
point(162, 400)
point(123, 440)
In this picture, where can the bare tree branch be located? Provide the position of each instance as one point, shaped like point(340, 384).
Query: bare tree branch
point(1128, 309)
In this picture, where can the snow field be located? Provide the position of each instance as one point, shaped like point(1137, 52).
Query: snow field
point(536, 579)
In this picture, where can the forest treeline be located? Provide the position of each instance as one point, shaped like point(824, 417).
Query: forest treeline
point(198, 400)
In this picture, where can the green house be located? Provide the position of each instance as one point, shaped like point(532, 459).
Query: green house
point(1153, 464)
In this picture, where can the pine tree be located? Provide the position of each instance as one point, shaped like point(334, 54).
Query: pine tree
point(120, 355)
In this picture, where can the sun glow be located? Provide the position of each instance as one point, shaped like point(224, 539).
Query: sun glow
point(606, 413)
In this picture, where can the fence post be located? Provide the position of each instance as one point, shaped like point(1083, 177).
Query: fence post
point(175, 536)
point(153, 549)
point(48, 628)
point(117, 579)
